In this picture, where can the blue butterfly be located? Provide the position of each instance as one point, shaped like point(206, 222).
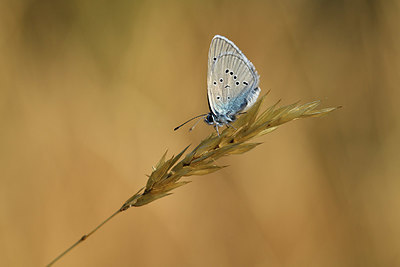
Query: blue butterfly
point(232, 83)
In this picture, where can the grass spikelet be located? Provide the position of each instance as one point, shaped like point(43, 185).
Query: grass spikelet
point(233, 140)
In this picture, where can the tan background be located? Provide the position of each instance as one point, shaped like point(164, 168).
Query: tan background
point(91, 90)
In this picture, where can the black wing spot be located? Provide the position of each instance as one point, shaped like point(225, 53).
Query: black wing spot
point(231, 73)
point(218, 97)
point(215, 59)
point(245, 83)
point(221, 80)
point(229, 97)
point(226, 71)
point(235, 77)
point(237, 83)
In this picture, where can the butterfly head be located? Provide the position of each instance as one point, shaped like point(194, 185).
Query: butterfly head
point(209, 119)
point(219, 119)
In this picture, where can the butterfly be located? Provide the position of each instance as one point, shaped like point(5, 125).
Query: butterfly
point(232, 84)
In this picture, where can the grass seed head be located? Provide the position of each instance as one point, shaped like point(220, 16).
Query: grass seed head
point(167, 174)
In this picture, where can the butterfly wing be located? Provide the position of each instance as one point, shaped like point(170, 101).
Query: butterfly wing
point(221, 45)
point(232, 79)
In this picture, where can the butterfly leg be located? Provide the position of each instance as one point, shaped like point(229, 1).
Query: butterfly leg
point(216, 128)
point(230, 125)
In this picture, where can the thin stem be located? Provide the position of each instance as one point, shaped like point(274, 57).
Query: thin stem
point(83, 238)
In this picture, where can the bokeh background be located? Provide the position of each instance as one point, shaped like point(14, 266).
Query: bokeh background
point(91, 90)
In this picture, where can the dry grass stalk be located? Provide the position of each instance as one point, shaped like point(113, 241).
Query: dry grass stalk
point(167, 174)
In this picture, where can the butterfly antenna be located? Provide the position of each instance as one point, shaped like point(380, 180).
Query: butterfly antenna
point(202, 115)
point(197, 122)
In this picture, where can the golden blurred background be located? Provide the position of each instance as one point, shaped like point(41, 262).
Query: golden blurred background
point(91, 90)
